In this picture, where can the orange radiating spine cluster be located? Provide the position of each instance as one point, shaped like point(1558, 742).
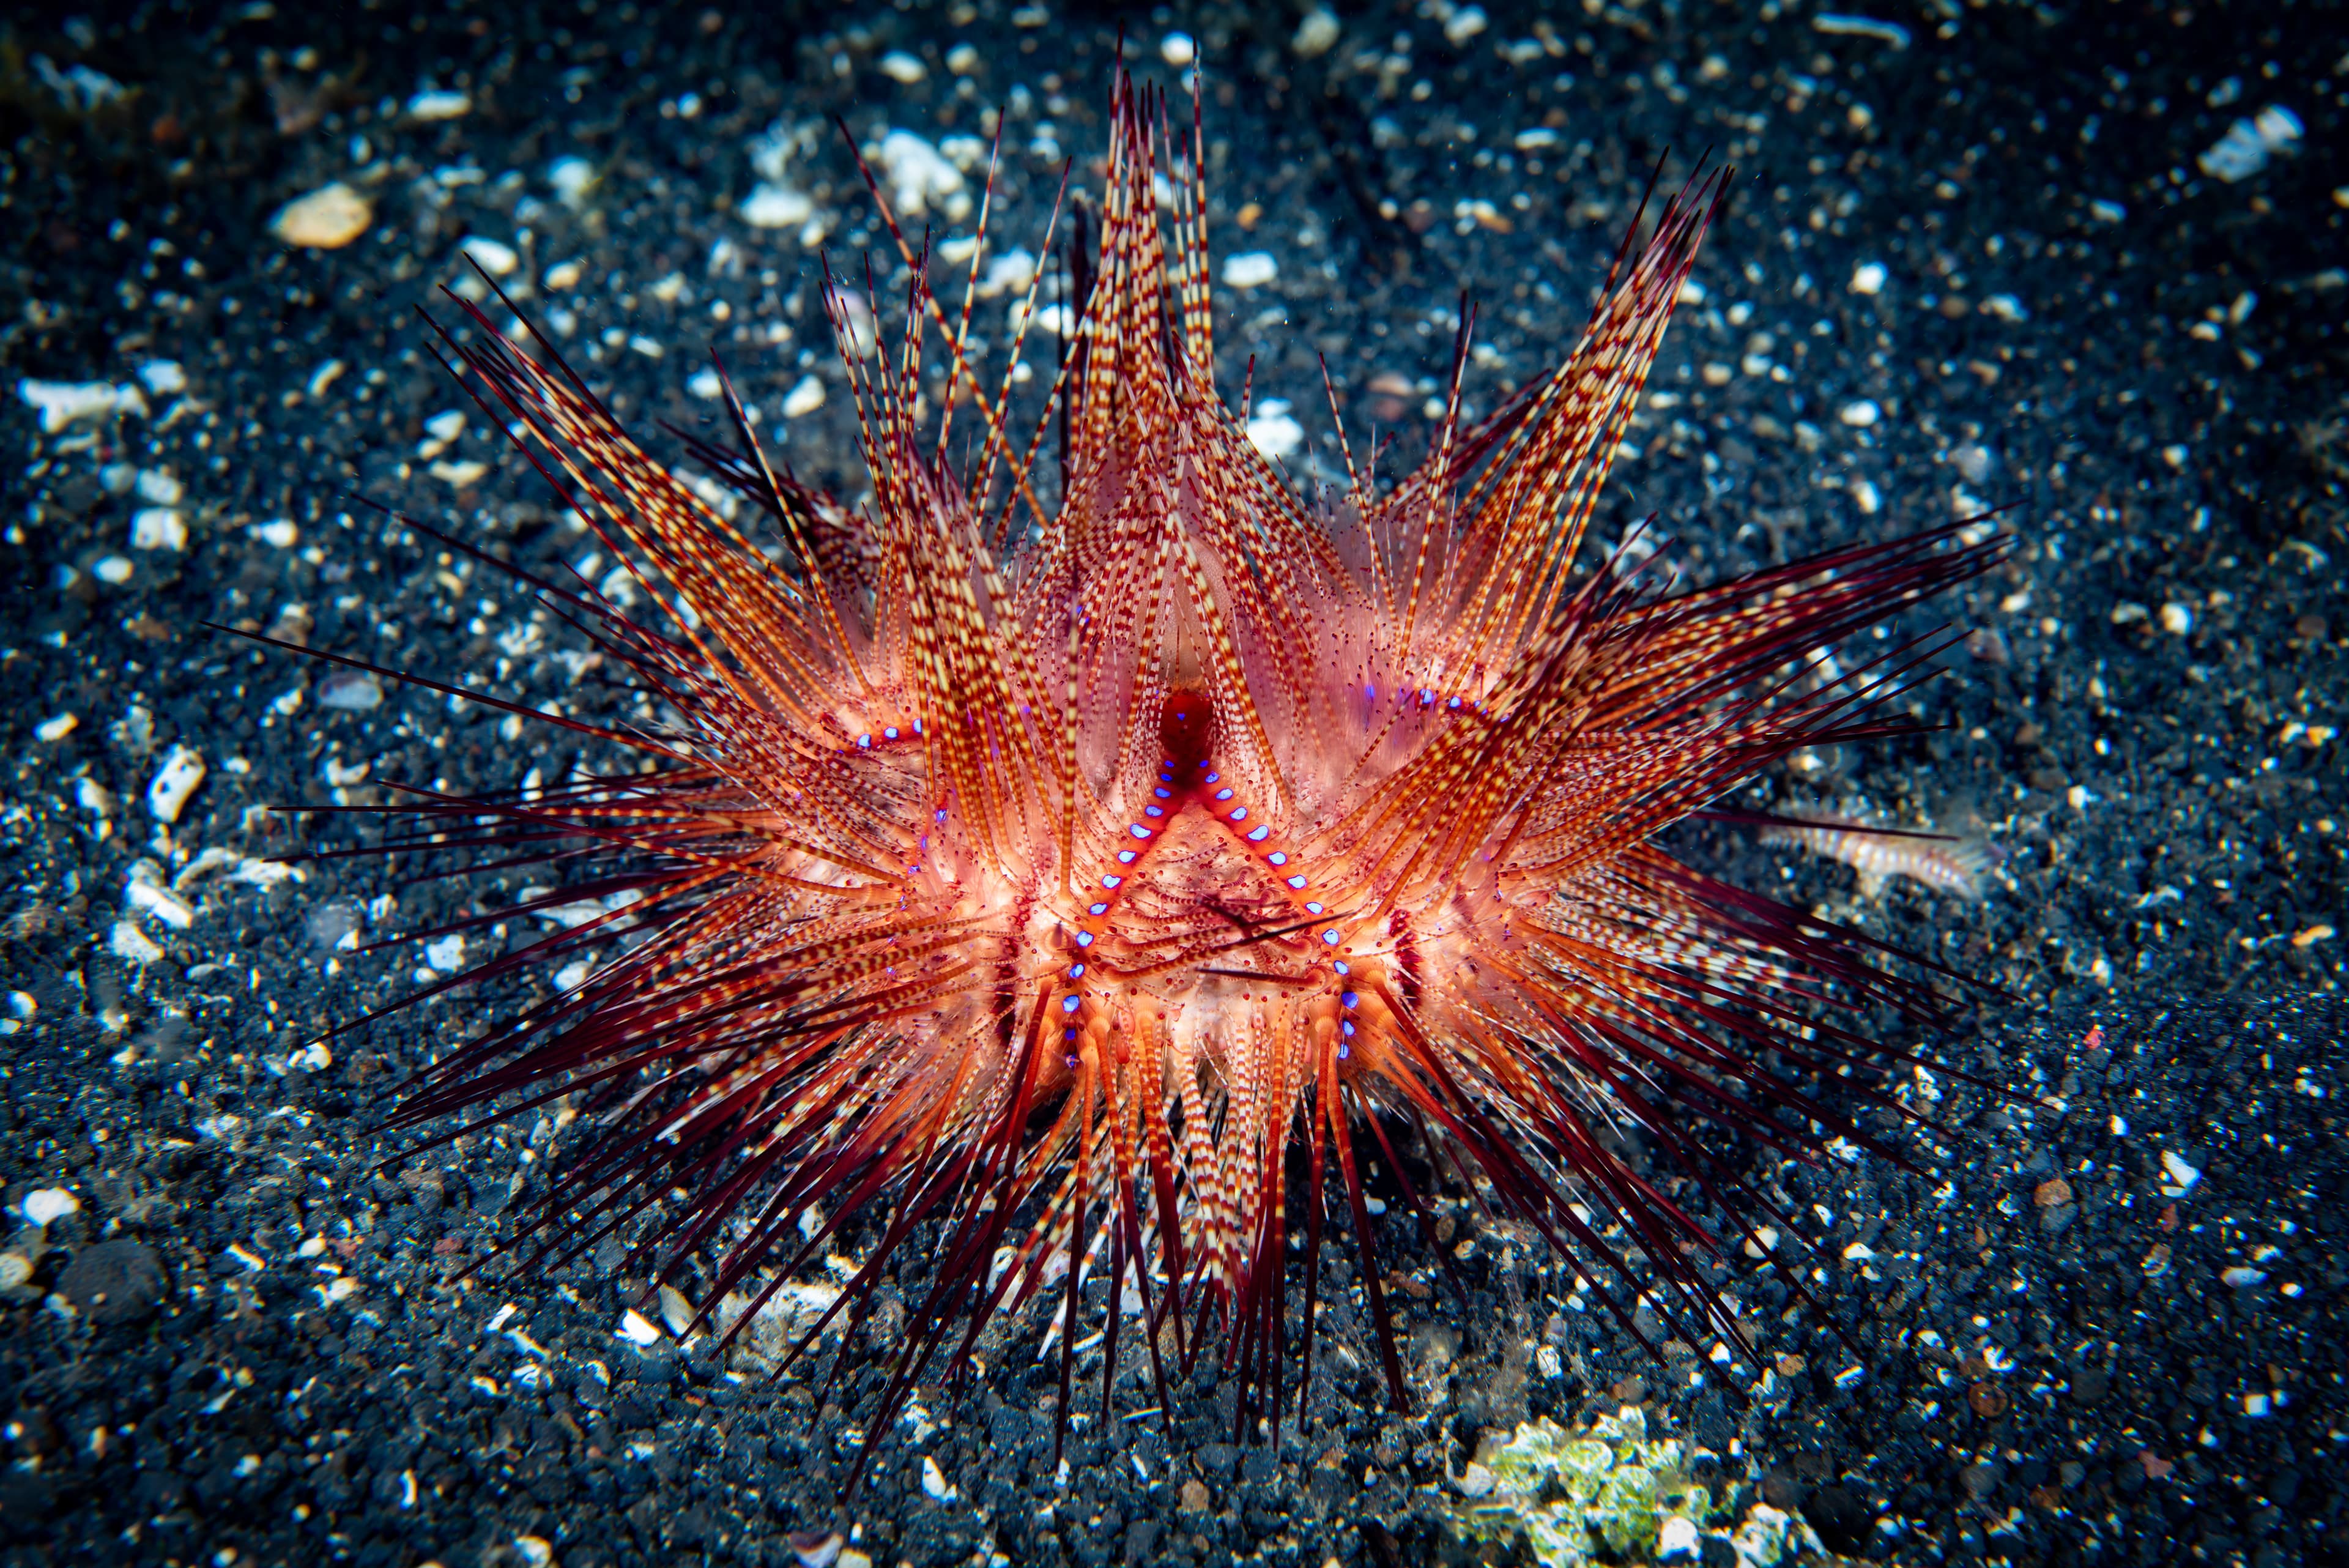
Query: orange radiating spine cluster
point(1048, 875)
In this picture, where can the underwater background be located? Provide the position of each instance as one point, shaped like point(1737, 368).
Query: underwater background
point(2082, 263)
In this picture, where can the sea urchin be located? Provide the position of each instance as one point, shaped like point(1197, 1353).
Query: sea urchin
point(1095, 887)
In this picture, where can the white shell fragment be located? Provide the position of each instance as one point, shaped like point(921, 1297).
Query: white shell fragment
point(495, 257)
point(805, 398)
point(775, 206)
point(919, 175)
point(2182, 1176)
point(1011, 272)
point(569, 178)
point(1315, 33)
point(350, 690)
point(636, 1331)
point(326, 219)
point(181, 773)
point(1271, 430)
point(440, 104)
point(159, 903)
point(2243, 151)
point(1250, 269)
point(47, 1205)
point(131, 945)
point(63, 403)
point(1840, 25)
point(158, 528)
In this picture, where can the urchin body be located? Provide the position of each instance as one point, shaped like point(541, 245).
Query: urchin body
point(1049, 875)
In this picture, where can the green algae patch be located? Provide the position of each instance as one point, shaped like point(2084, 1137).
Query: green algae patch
point(1580, 1497)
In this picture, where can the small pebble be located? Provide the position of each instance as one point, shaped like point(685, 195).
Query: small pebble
point(442, 105)
point(1315, 33)
point(158, 528)
point(181, 773)
point(770, 206)
point(45, 1206)
point(326, 219)
point(115, 1281)
point(1177, 49)
point(919, 177)
point(2244, 151)
point(350, 690)
point(131, 945)
point(1837, 23)
point(64, 403)
point(805, 398)
point(1011, 272)
point(1250, 269)
point(1271, 430)
point(497, 259)
point(569, 178)
point(1465, 23)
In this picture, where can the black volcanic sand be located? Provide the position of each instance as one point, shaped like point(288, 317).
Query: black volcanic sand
point(2099, 1320)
